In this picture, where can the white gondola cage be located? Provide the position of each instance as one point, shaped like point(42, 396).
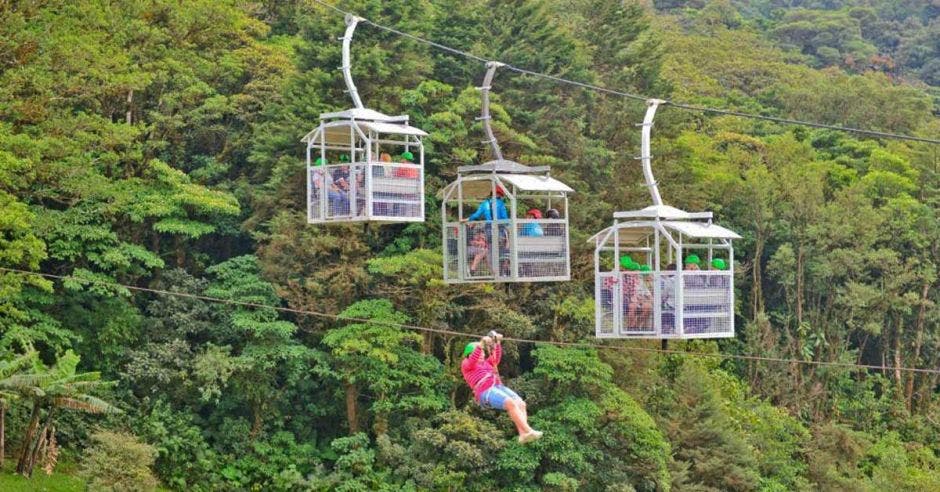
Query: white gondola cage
point(661, 272)
point(363, 165)
point(528, 244)
point(503, 221)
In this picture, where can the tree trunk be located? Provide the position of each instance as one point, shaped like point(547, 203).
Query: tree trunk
point(380, 426)
point(130, 112)
point(41, 442)
point(930, 382)
point(897, 353)
point(800, 259)
point(352, 410)
point(257, 421)
point(28, 439)
point(426, 343)
point(180, 251)
point(757, 294)
point(3, 434)
point(39, 447)
point(155, 243)
point(918, 344)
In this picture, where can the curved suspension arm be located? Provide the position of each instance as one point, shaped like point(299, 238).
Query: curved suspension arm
point(485, 113)
point(645, 157)
point(351, 22)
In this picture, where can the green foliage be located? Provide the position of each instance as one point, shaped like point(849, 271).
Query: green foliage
point(265, 350)
point(711, 448)
point(118, 462)
point(354, 470)
point(185, 461)
point(371, 353)
point(593, 430)
point(455, 449)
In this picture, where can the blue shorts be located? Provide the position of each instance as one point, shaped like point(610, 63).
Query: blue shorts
point(496, 397)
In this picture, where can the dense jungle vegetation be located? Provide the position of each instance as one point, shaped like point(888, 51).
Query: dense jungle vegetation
point(157, 144)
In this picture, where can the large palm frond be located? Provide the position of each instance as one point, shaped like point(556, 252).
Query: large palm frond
point(85, 403)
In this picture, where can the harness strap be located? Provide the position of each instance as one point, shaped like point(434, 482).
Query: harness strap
point(484, 378)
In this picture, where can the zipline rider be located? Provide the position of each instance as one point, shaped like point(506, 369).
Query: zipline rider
point(480, 372)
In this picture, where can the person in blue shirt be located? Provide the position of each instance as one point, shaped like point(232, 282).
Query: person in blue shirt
point(532, 228)
point(485, 210)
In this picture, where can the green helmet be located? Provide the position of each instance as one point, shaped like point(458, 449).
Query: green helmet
point(719, 264)
point(626, 262)
point(319, 162)
point(408, 156)
point(469, 349)
point(645, 268)
point(693, 260)
point(344, 158)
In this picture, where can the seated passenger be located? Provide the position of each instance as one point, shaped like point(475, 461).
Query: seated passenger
point(608, 284)
point(338, 190)
point(478, 249)
point(316, 178)
point(718, 280)
point(406, 157)
point(636, 307)
point(553, 229)
point(691, 266)
point(644, 297)
point(532, 228)
point(359, 177)
point(693, 320)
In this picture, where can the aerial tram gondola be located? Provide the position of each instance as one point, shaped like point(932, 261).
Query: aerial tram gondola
point(519, 229)
point(363, 165)
point(661, 272)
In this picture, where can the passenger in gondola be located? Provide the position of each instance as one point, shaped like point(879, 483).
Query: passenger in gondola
point(635, 306)
point(608, 284)
point(359, 173)
point(338, 191)
point(485, 211)
point(718, 281)
point(406, 157)
point(693, 320)
point(644, 297)
point(316, 178)
point(692, 265)
point(478, 250)
point(532, 228)
point(553, 229)
point(410, 173)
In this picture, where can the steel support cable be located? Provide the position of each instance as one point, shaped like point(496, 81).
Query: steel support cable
point(638, 97)
point(622, 348)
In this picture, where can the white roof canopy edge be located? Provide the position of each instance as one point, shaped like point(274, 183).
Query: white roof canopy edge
point(690, 229)
point(480, 187)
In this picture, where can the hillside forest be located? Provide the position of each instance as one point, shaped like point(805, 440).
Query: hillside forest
point(157, 145)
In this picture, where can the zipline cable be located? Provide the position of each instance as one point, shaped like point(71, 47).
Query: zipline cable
point(628, 95)
point(753, 358)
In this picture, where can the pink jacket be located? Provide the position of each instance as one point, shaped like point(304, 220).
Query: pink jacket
point(481, 374)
